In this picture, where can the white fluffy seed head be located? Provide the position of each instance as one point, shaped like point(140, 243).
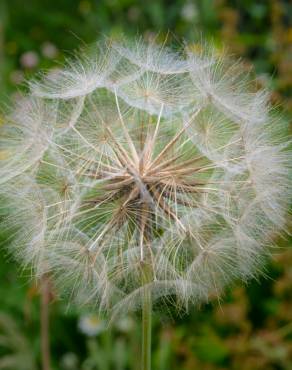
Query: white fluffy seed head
point(136, 168)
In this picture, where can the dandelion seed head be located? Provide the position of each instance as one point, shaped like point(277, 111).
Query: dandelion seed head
point(136, 167)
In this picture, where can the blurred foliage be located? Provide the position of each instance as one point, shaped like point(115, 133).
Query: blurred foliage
point(251, 328)
point(36, 33)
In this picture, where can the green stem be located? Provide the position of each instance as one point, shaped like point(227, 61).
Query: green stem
point(146, 330)
point(45, 339)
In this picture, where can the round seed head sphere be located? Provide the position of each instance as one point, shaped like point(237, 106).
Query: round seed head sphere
point(136, 168)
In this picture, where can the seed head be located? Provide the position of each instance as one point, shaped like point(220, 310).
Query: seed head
point(136, 167)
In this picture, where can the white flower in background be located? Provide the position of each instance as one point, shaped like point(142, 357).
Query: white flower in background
point(91, 325)
point(137, 169)
point(189, 11)
point(49, 50)
point(29, 59)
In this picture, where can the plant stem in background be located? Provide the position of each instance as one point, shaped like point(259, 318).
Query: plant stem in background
point(45, 340)
point(146, 329)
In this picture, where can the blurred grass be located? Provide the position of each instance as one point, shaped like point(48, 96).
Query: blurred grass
point(250, 329)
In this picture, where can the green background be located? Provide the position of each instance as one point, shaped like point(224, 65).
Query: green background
point(250, 328)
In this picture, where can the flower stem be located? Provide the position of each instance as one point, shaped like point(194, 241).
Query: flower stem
point(45, 340)
point(146, 329)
